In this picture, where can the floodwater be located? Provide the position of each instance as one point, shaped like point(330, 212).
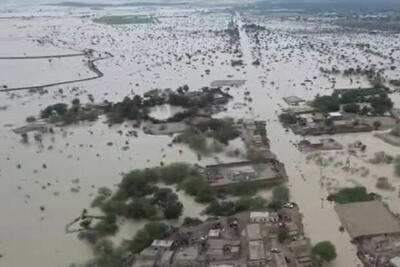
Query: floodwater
point(63, 173)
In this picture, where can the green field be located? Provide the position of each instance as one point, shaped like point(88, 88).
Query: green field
point(126, 19)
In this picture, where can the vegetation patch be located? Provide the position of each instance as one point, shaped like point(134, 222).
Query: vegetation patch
point(324, 251)
point(376, 97)
point(350, 195)
point(384, 184)
point(64, 114)
point(127, 19)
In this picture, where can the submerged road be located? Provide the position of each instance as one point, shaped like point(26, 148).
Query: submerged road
point(320, 219)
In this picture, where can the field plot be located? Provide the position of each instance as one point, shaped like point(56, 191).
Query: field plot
point(126, 19)
point(38, 72)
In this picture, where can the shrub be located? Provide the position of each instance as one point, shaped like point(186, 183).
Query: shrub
point(395, 131)
point(281, 194)
point(397, 166)
point(383, 183)
point(349, 195)
point(324, 251)
point(351, 108)
point(145, 236)
point(287, 118)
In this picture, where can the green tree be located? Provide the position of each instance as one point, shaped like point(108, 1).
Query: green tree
point(397, 166)
point(146, 235)
point(324, 251)
point(351, 108)
point(173, 209)
point(281, 193)
point(376, 125)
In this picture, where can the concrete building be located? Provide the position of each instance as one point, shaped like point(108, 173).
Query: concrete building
point(187, 256)
point(256, 254)
point(222, 249)
point(257, 216)
point(254, 231)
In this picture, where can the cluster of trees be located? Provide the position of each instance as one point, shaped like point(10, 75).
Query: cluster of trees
point(287, 119)
point(378, 99)
point(145, 236)
point(137, 107)
point(220, 130)
point(106, 255)
point(199, 99)
point(350, 195)
point(129, 108)
point(324, 251)
point(395, 131)
point(62, 113)
point(138, 196)
point(227, 208)
point(397, 166)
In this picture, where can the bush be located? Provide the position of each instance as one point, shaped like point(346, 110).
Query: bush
point(324, 251)
point(175, 172)
point(381, 158)
point(351, 108)
point(397, 166)
point(223, 208)
point(140, 208)
point(326, 103)
point(383, 183)
point(287, 119)
point(350, 195)
point(248, 203)
point(145, 236)
point(107, 256)
point(222, 130)
point(395, 131)
point(107, 224)
point(281, 194)
point(188, 221)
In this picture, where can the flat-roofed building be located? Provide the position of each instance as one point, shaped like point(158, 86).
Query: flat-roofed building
point(258, 216)
point(367, 218)
point(254, 231)
point(256, 253)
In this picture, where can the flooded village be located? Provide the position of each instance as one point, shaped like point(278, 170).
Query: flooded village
point(192, 134)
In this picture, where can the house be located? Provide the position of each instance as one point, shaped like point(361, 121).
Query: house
point(161, 244)
point(187, 256)
point(335, 115)
point(257, 216)
point(257, 255)
point(395, 262)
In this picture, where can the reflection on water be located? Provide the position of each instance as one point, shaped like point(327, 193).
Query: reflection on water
point(165, 111)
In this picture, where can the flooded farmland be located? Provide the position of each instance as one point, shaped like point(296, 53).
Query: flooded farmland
point(47, 179)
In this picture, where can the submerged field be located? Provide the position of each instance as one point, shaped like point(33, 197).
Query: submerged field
point(126, 19)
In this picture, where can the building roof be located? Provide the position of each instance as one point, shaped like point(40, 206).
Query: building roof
point(256, 250)
point(161, 243)
point(293, 99)
point(335, 114)
point(395, 261)
point(259, 214)
point(213, 233)
point(367, 218)
point(254, 231)
point(186, 254)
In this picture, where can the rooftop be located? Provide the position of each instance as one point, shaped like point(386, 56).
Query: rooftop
point(367, 219)
point(256, 250)
point(395, 261)
point(161, 243)
point(186, 254)
point(254, 231)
